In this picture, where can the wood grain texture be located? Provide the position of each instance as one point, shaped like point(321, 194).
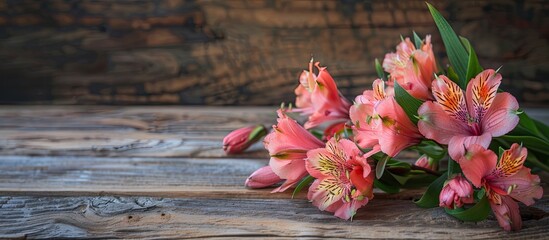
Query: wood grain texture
point(126, 131)
point(242, 52)
point(158, 177)
point(144, 217)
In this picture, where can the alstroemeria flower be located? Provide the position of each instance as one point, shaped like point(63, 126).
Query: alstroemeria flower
point(240, 139)
point(344, 180)
point(288, 144)
point(324, 102)
point(456, 192)
point(474, 118)
point(397, 131)
point(366, 123)
point(505, 181)
point(412, 68)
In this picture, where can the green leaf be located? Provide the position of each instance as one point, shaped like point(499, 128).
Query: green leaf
point(417, 40)
point(456, 52)
point(530, 142)
point(386, 187)
point(453, 168)
point(380, 167)
point(473, 67)
point(476, 213)
point(431, 149)
point(452, 74)
point(407, 102)
point(543, 129)
point(431, 195)
point(419, 180)
point(303, 183)
point(379, 70)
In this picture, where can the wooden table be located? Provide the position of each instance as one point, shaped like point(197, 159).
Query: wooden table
point(159, 172)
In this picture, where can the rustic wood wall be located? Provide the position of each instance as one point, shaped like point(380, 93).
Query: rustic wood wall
point(242, 52)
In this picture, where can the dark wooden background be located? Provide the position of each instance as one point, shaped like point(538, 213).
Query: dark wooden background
point(243, 52)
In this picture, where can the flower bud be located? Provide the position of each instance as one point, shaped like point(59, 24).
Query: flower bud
point(263, 177)
point(427, 162)
point(240, 139)
point(456, 192)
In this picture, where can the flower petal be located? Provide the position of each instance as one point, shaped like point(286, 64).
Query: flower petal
point(458, 144)
point(321, 163)
point(481, 92)
point(507, 213)
point(502, 116)
point(450, 97)
point(328, 191)
point(522, 186)
point(291, 170)
point(397, 130)
point(477, 163)
point(435, 124)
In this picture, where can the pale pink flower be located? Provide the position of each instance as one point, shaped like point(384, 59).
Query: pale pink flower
point(344, 180)
point(504, 180)
point(456, 192)
point(288, 144)
point(412, 68)
point(262, 177)
point(427, 162)
point(461, 120)
point(240, 139)
point(322, 102)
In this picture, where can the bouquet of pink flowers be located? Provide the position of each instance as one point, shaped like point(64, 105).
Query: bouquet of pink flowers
point(456, 117)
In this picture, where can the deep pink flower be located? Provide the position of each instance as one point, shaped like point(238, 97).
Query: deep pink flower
point(240, 139)
point(461, 120)
point(456, 192)
point(412, 68)
point(323, 102)
point(344, 180)
point(288, 144)
point(504, 180)
point(262, 177)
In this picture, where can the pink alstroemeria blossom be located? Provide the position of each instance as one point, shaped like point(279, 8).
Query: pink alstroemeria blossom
point(288, 144)
point(460, 120)
point(344, 180)
point(366, 123)
point(397, 130)
point(322, 102)
point(240, 139)
point(412, 68)
point(456, 192)
point(262, 177)
point(505, 181)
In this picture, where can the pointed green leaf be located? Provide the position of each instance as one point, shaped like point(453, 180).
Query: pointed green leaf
point(258, 132)
point(417, 40)
point(530, 142)
point(386, 187)
point(476, 213)
point(407, 102)
point(303, 183)
point(456, 52)
point(380, 167)
point(379, 70)
point(543, 129)
point(431, 195)
point(452, 74)
point(473, 67)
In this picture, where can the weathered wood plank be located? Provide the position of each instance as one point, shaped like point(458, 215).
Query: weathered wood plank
point(126, 131)
point(145, 217)
point(159, 177)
